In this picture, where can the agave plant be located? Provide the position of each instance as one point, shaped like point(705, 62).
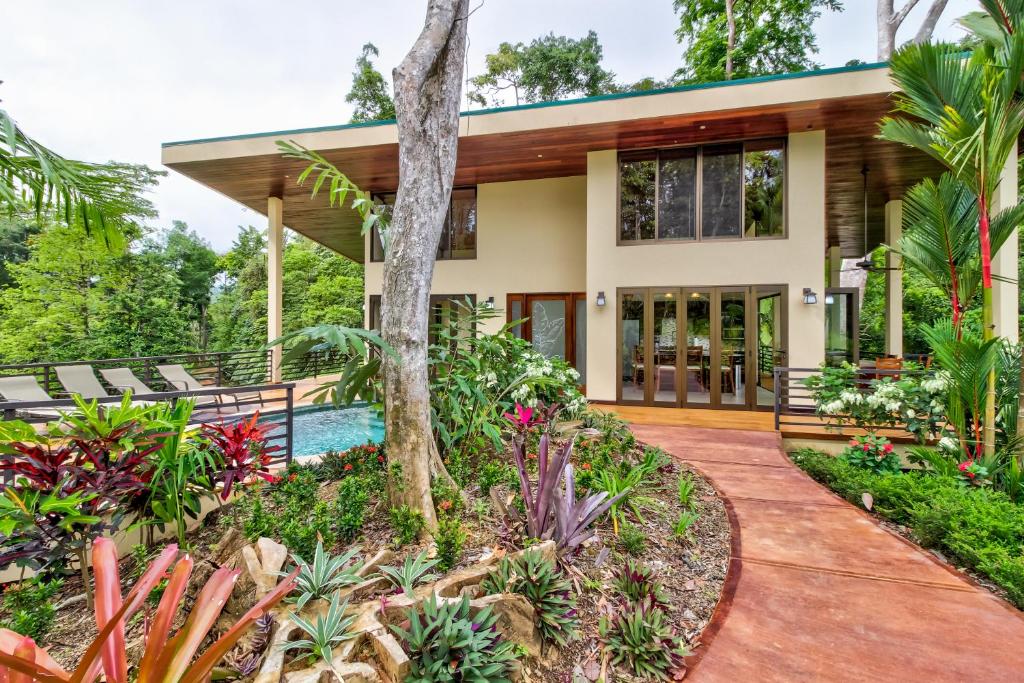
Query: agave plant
point(166, 658)
point(411, 572)
point(326, 632)
point(326, 574)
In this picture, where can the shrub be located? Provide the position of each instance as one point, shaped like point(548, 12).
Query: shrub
point(407, 524)
point(492, 473)
point(539, 581)
point(632, 539)
point(30, 608)
point(638, 636)
point(447, 643)
point(359, 461)
point(450, 538)
point(636, 584)
point(350, 506)
point(872, 453)
point(976, 527)
point(301, 531)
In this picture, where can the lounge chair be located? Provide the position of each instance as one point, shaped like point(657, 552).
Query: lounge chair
point(26, 388)
point(123, 379)
point(179, 379)
point(81, 380)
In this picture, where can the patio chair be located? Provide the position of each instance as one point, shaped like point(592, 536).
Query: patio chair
point(26, 388)
point(123, 379)
point(179, 379)
point(81, 380)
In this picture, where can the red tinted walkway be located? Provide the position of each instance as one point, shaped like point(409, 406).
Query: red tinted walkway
point(818, 592)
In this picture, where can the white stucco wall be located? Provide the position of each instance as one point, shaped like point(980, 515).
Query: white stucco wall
point(530, 238)
point(796, 261)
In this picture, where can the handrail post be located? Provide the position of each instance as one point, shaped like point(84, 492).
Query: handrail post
point(220, 369)
point(46, 379)
point(778, 394)
point(289, 426)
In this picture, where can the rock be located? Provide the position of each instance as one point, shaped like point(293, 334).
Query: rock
point(516, 619)
point(363, 591)
point(451, 585)
point(547, 550)
point(382, 558)
point(262, 562)
point(473, 592)
point(391, 656)
point(272, 555)
point(229, 544)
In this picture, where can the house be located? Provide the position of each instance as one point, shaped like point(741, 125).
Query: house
point(674, 245)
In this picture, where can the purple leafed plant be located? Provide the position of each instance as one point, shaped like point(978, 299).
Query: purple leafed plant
point(550, 512)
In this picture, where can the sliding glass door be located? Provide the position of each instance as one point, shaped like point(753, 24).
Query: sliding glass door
point(711, 347)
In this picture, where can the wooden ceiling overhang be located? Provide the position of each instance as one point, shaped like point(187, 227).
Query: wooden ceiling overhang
point(528, 143)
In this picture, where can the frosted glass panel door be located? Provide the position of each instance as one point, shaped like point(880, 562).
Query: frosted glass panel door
point(580, 325)
point(547, 323)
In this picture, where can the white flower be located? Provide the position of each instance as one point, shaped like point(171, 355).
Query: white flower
point(948, 443)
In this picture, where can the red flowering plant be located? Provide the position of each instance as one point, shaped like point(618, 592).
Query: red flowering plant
point(243, 450)
point(973, 473)
point(366, 458)
point(872, 452)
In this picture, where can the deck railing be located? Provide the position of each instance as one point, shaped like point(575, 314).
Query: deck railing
point(794, 403)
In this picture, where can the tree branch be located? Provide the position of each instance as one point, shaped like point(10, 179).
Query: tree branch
point(898, 18)
point(930, 20)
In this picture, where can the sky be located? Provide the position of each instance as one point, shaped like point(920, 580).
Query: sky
point(112, 79)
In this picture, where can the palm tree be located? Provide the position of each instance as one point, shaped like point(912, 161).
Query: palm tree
point(964, 112)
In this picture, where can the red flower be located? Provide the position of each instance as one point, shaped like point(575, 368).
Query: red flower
point(853, 442)
point(380, 458)
point(293, 476)
point(964, 465)
point(887, 448)
point(348, 467)
point(531, 456)
point(867, 447)
point(445, 505)
point(585, 465)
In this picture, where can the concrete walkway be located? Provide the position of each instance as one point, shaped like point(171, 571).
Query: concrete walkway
point(817, 591)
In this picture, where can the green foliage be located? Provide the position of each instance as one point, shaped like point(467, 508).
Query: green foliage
point(549, 68)
point(539, 581)
point(406, 523)
point(413, 571)
point(447, 643)
point(288, 511)
point(328, 631)
point(29, 607)
point(772, 36)
point(635, 584)
point(640, 637)
point(621, 481)
point(976, 527)
point(873, 453)
point(492, 473)
point(632, 539)
point(682, 526)
point(326, 574)
point(370, 93)
point(686, 488)
point(305, 526)
point(350, 507)
point(450, 538)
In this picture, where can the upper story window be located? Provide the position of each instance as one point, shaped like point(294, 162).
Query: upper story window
point(730, 191)
point(458, 237)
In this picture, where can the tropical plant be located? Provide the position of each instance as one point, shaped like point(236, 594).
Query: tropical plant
point(29, 606)
point(632, 539)
point(682, 526)
point(329, 630)
point(640, 637)
point(871, 452)
point(619, 486)
point(326, 574)
point(407, 523)
point(635, 583)
point(413, 571)
point(242, 449)
point(538, 580)
point(450, 538)
point(964, 112)
point(165, 657)
point(686, 488)
point(448, 643)
point(350, 506)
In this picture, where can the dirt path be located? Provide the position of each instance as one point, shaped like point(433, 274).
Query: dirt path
point(818, 591)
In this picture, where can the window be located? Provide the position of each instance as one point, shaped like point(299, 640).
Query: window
point(728, 191)
point(458, 236)
point(442, 310)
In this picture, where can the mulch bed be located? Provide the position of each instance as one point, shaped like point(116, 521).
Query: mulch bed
point(692, 571)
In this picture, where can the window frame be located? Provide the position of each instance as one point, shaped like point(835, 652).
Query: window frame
point(446, 231)
point(654, 154)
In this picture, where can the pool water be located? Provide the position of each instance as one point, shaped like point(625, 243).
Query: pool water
point(325, 428)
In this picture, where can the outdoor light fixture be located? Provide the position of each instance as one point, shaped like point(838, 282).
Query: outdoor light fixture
point(810, 297)
point(490, 302)
point(829, 299)
point(600, 299)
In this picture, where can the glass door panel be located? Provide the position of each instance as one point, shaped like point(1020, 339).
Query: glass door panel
point(664, 365)
point(633, 375)
point(842, 327)
point(580, 329)
point(547, 327)
point(732, 348)
point(698, 347)
point(771, 345)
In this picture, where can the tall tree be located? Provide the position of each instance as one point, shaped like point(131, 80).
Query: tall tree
point(370, 91)
point(428, 89)
point(727, 39)
point(890, 19)
point(196, 266)
point(549, 68)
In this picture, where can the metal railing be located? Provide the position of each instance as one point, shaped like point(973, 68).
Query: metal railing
point(215, 368)
point(275, 403)
point(794, 401)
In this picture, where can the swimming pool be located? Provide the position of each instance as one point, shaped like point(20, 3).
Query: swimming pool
point(325, 428)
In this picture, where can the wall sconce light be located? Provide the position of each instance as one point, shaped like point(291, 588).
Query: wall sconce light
point(490, 302)
point(810, 297)
point(601, 301)
point(829, 299)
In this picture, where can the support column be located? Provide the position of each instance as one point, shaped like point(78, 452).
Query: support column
point(275, 289)
point(893, 279)
point(1005, 302)
point(835, 266)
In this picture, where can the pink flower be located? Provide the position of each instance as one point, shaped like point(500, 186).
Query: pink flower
point(867, 447)
point(887, 448)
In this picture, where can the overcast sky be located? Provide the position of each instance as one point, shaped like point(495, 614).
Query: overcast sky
point(112, 79)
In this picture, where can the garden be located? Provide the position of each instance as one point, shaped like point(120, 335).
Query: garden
point(563, 547)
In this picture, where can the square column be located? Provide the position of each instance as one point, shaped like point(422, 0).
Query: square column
point(835, 266)
point(275, 288)
point(893, 279)
point(1005, 305)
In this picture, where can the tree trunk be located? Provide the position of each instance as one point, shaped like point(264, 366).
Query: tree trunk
point(428, 89)
point(889, 22)
point(730, 18)
point(924, 33)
